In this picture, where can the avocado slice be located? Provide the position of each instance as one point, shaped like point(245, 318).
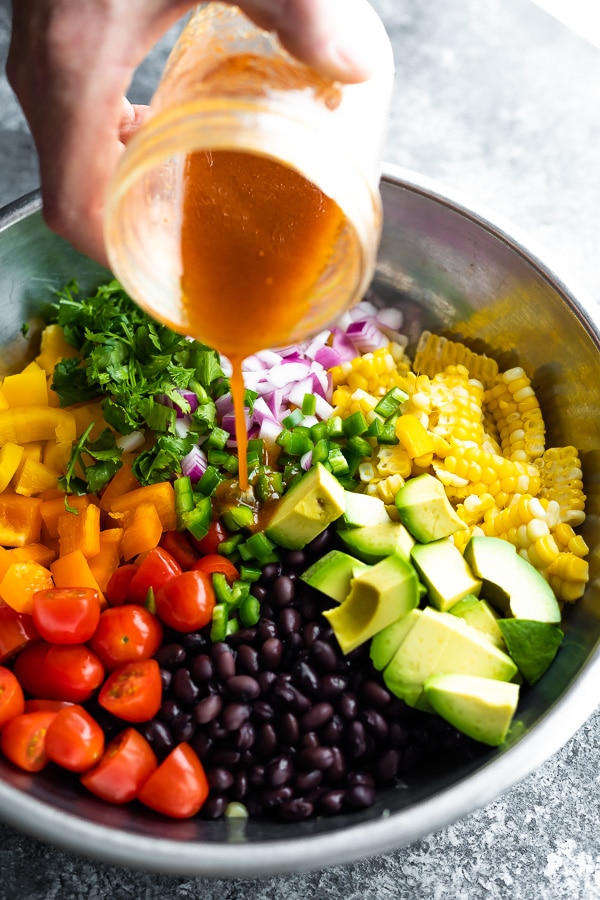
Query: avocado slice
point(532, 645)
point(307, 509)
point(479, 614)
point(377, 597)
point(510, 582)
point(363, 509)
point(424, 508)
point(439, 642)
point(481, 708)
point(386, 642)
point(444, 572)
point(371, 543)
point(333, 573)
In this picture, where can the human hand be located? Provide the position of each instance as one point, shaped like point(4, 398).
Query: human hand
point(71, 62)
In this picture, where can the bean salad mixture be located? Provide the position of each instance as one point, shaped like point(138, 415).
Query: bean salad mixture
point(173, 640)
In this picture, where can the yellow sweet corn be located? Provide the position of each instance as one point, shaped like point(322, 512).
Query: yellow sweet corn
point(435, 352)
point(516, 411)
point(561, 480)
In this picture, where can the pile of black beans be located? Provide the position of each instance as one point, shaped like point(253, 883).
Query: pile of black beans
point(283, 722)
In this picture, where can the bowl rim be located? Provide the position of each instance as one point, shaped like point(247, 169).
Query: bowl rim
point(390, 832)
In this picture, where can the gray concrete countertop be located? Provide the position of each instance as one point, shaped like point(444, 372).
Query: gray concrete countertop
point(501, 102)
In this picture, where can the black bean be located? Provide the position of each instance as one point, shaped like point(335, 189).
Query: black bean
point(165, 679)
point(308, 740)
point(315, 758)
point(169, 656)
point(336, 773)
point(270, 653)
point(323, 655)
point(283, 591)
point(272, 799)
point(266, 629)
point(262, 711)
point(242, 637)
point(308, 781)
point(386, 766)
point(319, 545)
point(290, 696)
point(310, 632)
point(331, 802)
point(240, 788)
point(207, 709)
point(288, 728)
point(260, 592)
point(234, 715)
point(398, 736)
point(311, 609)
point(158, 736)
point(296, 810)
point(202, 745)
point(348, 705)
point(183, 687)
point(331, 686)
point(265, 680)
point(266, 740)
point(225, 666)
point(356, 739)
point(243, 687)
point(359, 796)
point(294, 559)
point(269, 573)
point(358, 777)
point(316, 717)
point(247, 659)
point(305, 677)
point(169, 711)
point(279, 771)
point(183, 728)
point(219, 778)
point(245, 737)
point(194, 642)
point(332, 732)
point(202, 669)
point(256, 776)
point(289, 621)
point(229, 759)
point(375, 723)
point(218, 648)
point(214, 806)
point(375, 694)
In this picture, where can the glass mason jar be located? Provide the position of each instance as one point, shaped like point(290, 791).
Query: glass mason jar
point(246, 211)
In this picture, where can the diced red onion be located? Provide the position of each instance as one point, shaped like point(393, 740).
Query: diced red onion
point(299, 390)
point(390, 317)
point(306, 460)
point(328, 357)
point(194, 464)
point(130, 442)
point(182, 426)
point(224, 405)
point(323, 409)
point(343, 345)
point(365, 336)
point(269, 430)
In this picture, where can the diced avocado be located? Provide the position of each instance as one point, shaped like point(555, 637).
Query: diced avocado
point(532, 645)
point(444, 572)
point(333, 573)
point(510, 582)
point(386, 642)
point(479, 614)
point(363, 509)
point(424, 508)
point(481, 708)
point(307, 509)
point(378, 596)
point(440, 642)
point(374, 542)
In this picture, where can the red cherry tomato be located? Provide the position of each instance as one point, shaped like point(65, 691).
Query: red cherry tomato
point(127, 764)
point(214, 562)
point(155, 569)
point(16, 631)
point(59, 671)
point(117, 589)
point(186, 602)
point(66, 615)
point(133, 692)
point(74, 740)
point(41, 705)
point(210, 542)
point(180, 548)
point(178, 787)
point(12, 701)
point(124, 634)
point(23, 740)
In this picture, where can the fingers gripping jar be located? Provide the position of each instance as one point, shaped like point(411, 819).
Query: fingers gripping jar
point(246, 210)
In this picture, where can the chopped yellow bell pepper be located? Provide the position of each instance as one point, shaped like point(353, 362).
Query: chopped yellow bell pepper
point(73, 570)
point(22, 424)
point(33, 478)
point(10, 457)
point(413, 436)
point(27, 388)
point(53, 348)
point(20, 583)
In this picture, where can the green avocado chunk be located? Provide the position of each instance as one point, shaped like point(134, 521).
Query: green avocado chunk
point(444, 572)
point(362, 509)
point(424, 508)
point(378, 596)
point(479, 614)
point(333, 574)
point(307, 509)
point(481, 708)
point(533, 645)
point(386, 642)
point(374, 542)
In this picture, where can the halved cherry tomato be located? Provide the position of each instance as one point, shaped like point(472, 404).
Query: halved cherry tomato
point(16, 631)
point(124, 634)
point(214, 562)
point(177, 544)
point(210, 542)
point(156, 568)
point(74, 740)
point(59, 671)
point(38, 704)
point(12, 701)
point(127, 764)
point(186, 602)
point(66, 615)
point(133, 692)
point(117, 589)
point(178, 787)
point(23, 740)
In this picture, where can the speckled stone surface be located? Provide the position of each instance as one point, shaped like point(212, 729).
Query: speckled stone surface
point(500, 102)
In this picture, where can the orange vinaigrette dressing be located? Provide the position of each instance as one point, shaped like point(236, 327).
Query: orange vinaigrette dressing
point(256, 236)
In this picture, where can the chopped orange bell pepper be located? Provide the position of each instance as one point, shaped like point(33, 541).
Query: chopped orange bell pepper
point(39, 553)
point(73, 570)
point(161, 495)
point(80, 531)
point(121, 483)
point(20, 520)
point(143, 533)
point(108, 559)
point(20, 583)
point(51, 510)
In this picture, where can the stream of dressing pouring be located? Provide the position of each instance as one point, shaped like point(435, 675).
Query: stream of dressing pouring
point(581, 16)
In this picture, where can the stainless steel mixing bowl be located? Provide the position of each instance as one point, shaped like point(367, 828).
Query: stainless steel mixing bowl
point(450, 268)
